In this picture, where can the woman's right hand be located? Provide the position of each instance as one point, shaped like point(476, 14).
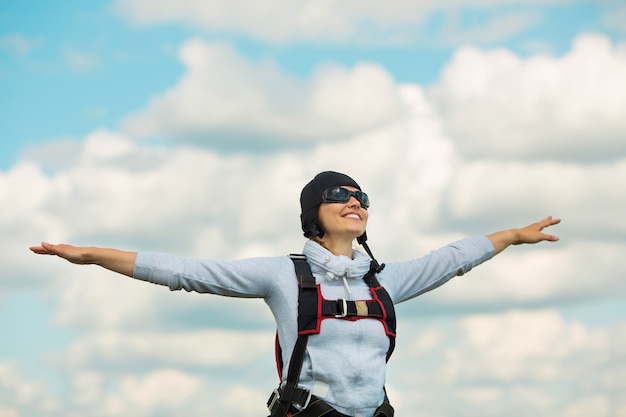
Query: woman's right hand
point(74, 254)
point(112, 259)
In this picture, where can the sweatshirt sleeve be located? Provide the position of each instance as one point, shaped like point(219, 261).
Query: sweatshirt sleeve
point(406, 280)
point(242, 278)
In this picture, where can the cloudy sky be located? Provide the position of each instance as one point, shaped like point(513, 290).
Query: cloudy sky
point(190, 127)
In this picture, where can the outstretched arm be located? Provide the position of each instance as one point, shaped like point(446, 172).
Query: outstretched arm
point(115, 260)
point(529, 234)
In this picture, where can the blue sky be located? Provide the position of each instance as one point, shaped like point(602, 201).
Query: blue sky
point(161, 126)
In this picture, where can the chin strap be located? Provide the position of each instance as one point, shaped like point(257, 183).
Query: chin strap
point(375, 266)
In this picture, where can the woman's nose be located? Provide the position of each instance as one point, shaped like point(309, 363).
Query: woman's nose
point(353, 202)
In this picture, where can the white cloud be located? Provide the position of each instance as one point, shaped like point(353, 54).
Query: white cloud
point(514, 346)
point(497, 27)
point(496, 104)
point(281, 21)
point(541, 107)
point(19, 395)
point(544, 275)
point(511, 363)
point(168, 392)
point(163, 388)
point(224, 99)
point(235, 349)
point(86, 387)
point(16, 200)
point(598, 405)
point(278, 20)
point(85, 296)
point(499, 190)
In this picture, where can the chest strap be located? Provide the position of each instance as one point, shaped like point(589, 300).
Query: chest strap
point(313, 308)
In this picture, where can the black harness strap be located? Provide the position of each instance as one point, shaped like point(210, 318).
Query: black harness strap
point(312, 309)
point(282, 398)
point(383, 297)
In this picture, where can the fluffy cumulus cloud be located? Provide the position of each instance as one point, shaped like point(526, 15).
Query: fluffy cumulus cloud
point(497, 104)
point(541, 107)
point(529, 350)
point(494, 364)
point(225, 99)
point(159, 392)
point(19, 395)
point(132, 349)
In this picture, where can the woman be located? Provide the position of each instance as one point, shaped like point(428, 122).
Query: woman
point(341, 368)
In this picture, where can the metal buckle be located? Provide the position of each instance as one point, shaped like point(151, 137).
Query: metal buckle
point(308, 400)
point(344, 305)
point(274, 398)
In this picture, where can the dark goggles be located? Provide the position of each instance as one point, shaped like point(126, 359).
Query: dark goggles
point(342, 195)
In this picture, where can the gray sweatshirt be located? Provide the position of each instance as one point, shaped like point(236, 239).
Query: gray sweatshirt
point(345, 363)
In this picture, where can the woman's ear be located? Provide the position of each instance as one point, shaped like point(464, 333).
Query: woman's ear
point(314, 231)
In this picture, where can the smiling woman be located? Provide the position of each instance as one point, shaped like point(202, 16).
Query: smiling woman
point(333, 305)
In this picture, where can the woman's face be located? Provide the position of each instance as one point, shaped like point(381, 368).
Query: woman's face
point(345, 220)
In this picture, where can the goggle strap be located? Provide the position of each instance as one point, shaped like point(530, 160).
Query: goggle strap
point(375, 265)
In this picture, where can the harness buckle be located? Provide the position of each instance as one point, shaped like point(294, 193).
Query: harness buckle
point(299, 392)
point(344, 306)
point(274, 398)
point(308, 400)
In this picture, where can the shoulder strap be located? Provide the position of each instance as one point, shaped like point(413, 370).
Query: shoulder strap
point(289, 393)
point(308, 296)
point(381, 295)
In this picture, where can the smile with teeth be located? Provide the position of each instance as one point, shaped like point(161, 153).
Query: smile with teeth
point(353, 216)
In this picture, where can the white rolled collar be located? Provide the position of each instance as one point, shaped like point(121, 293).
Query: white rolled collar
point(324, 262)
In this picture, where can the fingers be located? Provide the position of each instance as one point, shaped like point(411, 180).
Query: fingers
point(533, 233)
point(41, 249)
point(551, 238)
point(547, 222)
point(44, 249)
point(38, 250)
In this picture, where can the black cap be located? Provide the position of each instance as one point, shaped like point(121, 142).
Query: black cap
point(311, 198)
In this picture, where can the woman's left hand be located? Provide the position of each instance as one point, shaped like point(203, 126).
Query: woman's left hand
point(532, 233)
